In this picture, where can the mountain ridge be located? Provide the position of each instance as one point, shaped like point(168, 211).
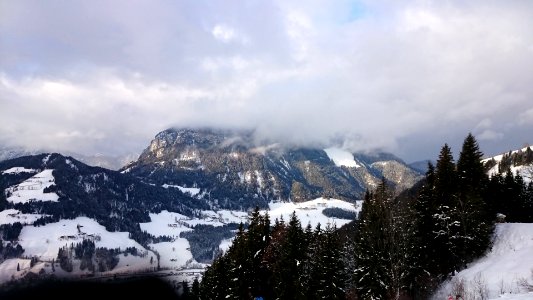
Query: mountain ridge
point(229, 165)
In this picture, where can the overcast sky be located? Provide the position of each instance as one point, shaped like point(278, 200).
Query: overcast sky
point(402, 76)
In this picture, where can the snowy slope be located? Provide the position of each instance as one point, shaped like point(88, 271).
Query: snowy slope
point(10, 216)
point(341, 157)
point(526, 171)
point(44, 242)
point(508, 263)
point(310, 212)
point(32, 189)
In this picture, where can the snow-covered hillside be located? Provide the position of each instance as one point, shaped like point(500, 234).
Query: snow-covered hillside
point(525, 170)
point(10, 216)
point(311, 212)
point(505, 270)
point(32, 189)
point(44, 242)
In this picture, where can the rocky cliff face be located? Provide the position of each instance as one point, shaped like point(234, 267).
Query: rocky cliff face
point(233, 172)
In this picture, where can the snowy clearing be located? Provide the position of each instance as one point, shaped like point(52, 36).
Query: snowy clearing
point(341, 157)
point(166, 223)
point(10, 216)
point(500, 272)
point(191, 191)
point(311, 211)
point(17, 170)
point(175, 254)
point(32, 189)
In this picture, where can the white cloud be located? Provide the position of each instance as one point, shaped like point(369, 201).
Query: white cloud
point(223, 33)
point(489, 135)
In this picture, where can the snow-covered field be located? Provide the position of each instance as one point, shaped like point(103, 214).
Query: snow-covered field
point(32, 189)
point(500, 273)
point(10, 216)
point(44, 242)
point(310, 212)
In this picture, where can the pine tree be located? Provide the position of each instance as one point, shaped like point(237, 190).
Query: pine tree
point(216, 282)
point(425, 207)
point(473, 219)
point(371, 245)
point(288, 284)
point(528, 156)
point(470, 169)
point(328, 266)
point(186, 293)
point(195, 290)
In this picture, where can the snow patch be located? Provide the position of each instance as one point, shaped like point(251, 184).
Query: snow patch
point(10, 216)
point(69, 162)
point(191, 191)
point(341, 157)
point(17, 170)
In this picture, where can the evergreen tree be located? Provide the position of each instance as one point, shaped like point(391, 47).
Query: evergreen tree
point(425, 208)
point(472, 217)
point(287, 283)
point(472, 176)
point(195, 290)
point(216, 282)
point(445, 228)
point(328, 266)
point(185, 291)
point(384, 244)
point(528, 156)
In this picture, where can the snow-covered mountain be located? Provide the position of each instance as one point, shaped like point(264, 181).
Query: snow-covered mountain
point(233, 172)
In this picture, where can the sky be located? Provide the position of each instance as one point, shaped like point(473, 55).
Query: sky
point(406, 77)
